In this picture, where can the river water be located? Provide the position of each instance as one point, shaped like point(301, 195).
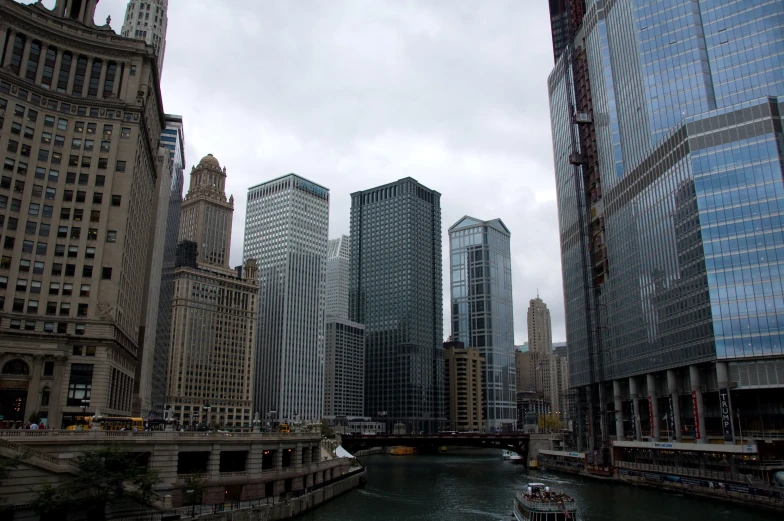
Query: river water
point(458, 487)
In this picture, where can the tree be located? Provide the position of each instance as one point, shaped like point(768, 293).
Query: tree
point(34, 417)
point(6, 466)
point(194, 485)
point(104, 477)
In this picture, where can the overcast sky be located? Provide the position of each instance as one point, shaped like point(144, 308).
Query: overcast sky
point(352, 94)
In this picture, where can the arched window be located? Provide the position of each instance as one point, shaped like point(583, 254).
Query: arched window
point(45, 397)
point(16, 367)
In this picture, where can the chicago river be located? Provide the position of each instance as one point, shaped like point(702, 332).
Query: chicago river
point(480, 486)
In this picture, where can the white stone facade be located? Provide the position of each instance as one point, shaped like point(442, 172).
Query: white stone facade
point(286, 230)
point(147, 20)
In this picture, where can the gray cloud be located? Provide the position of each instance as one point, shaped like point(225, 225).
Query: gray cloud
point(355, 94)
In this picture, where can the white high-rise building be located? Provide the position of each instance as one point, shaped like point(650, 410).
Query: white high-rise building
point(337, 277)
point(147, 20)
point(286, 230)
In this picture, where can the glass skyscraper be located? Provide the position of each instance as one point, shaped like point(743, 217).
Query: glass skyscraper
point(482, 313)
point(172, 138)
point(395, 291)
point(667, 134)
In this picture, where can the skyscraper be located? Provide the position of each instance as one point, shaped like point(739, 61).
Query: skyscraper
point(540, 369)
point(463, 374)
point(559, 26)
point(337, 277)
point(286, 229)
point(395, 291)
point(173, 139)
point(72, 271)
point(482, 310)
point(214, 308)
point(148, 20)
point(344, 367)
point(666, 123)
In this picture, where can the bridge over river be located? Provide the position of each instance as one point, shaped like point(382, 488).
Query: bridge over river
point(513, 441)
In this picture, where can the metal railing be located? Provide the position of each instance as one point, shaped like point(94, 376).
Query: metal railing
point(690, 472)
point(161, 435)
point(194, 511)
point(547, 506)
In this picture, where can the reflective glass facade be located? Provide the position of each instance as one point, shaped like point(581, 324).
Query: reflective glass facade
point(685, 107)
point(482, 312)
point(172, 138)
point(395, 291)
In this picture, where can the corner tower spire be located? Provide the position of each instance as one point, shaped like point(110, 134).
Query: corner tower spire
point(148, 20)
point(205, 215)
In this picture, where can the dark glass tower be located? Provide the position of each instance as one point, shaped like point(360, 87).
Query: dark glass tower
point(482, 311)
point(559, 25)
point(395, 290)
point(667, 133)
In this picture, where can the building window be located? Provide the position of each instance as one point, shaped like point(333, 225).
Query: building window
point(106, 273)
point(45, 393)
point(111, 236)
point(80, 384)
point(121, 166)
point(32, 61)
point(116, 200)
point(16, 368)
point(48, 368)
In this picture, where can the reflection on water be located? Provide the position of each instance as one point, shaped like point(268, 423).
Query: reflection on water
point(481, 487)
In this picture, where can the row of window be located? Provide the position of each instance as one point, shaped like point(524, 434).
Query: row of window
point(41, 247)
point(51, 307)
point(57, 268)
point(43, 155)
point(48, 210)
point(49, 327)
point(54, 287)
point(68, 61)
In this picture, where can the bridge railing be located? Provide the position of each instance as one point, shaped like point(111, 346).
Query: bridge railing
point(161, 435)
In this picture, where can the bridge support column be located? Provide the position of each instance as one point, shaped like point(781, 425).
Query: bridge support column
point(279, 457)
point(654, 405)
point(674, 416)
point(618, 400)
point(700, 435)
point(635, 392)
point(296, 460)
point(213, 467)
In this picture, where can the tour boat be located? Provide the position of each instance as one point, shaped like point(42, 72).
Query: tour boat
point(515, 458)
point(402, 451)
point(506, 454)
point(538, 503)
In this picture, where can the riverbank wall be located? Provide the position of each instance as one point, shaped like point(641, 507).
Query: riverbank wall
point(369, 452)
point(286, 508)
point(762, 497)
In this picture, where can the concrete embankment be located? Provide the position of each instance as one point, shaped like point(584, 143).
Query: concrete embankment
point(295, 506)
point(761, 497)
point(368, 452)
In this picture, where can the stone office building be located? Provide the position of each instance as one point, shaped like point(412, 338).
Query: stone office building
point(213, 324)
point(80, 121)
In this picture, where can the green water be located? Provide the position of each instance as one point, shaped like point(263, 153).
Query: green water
point(481, 487)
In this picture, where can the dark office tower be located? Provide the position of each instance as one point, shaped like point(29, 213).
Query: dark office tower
point(666, 120)
point(559, 25)
point(395, 290)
